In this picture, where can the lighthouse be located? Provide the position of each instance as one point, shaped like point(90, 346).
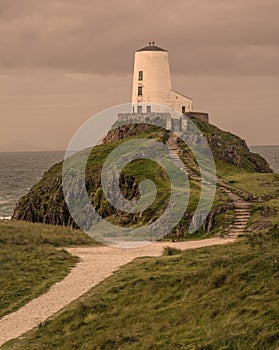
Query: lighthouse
point(153, 99)
point(152, 82)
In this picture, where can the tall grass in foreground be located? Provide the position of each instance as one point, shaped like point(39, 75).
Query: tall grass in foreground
point(222, 297)
point(29, 261)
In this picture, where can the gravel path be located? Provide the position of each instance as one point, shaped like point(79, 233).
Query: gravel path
point(96, 264)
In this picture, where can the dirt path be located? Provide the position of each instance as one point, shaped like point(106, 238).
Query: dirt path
point(96, 264)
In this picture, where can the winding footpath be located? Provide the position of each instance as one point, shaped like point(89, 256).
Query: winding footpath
point(95, 265)
point(98, 263)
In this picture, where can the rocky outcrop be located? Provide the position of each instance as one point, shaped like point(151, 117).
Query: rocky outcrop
point(224, 145)
point(231, 149)
point(45, 201)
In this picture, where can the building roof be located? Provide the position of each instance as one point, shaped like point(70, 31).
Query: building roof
point(178, 93)
point(151, 47)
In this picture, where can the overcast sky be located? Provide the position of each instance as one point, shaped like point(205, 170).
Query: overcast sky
point(63, 61)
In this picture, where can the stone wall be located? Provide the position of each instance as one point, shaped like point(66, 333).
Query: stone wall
point(199, 115)
point(163, 120)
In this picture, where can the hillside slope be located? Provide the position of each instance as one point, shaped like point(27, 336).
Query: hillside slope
point(45, 202)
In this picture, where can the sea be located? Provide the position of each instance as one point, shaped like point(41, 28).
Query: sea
point(19, 171)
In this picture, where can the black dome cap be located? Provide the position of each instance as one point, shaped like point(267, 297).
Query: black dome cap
point(151, 47)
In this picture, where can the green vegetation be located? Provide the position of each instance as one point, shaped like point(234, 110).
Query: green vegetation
point(223, 297)
point(169, 251)
point(265, 191)
point(231, 149)
point(29, 261)
point(45, 202)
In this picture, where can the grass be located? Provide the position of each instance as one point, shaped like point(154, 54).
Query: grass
point(264, 188)
point(221, 143)
point(169, 251)
point(260, 185)
point(133, 173)
point(46, 198)
point(29, 261)
point(222, 297)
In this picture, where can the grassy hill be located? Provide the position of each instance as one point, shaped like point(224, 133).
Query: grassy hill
point(45, 203)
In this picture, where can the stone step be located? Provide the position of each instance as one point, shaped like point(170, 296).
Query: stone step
point(241, 208)
point(241, 205)
point(235, 233)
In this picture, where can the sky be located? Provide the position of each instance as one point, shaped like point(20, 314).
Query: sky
point(63, 61)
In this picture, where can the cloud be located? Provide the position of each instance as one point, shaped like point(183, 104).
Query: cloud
point(203, 37)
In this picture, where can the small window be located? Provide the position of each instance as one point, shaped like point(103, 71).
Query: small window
point(139, 109)
point(140, 75)
point(183, 109)
point(139, 90)
point(148, 109)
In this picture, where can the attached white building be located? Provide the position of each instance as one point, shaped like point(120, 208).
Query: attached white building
point(152, 82)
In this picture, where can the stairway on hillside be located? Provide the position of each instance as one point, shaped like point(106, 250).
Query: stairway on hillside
point(174, 155)
point(242, 213)
point(241, 207)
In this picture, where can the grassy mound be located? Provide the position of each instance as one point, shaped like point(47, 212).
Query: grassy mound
point(45, 201)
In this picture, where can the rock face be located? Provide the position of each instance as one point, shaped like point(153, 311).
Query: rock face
point(45, 201)
point(231, 149)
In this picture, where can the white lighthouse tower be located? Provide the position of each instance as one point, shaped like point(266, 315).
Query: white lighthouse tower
point(152, 82)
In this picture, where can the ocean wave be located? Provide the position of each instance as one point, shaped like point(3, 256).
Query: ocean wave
point(5, 217)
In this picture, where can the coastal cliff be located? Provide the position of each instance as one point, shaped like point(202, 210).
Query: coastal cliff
point(45, 201)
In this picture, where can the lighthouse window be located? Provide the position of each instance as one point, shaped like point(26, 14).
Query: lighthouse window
point(140, 75)
point(139, 90)
point(183, 109)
